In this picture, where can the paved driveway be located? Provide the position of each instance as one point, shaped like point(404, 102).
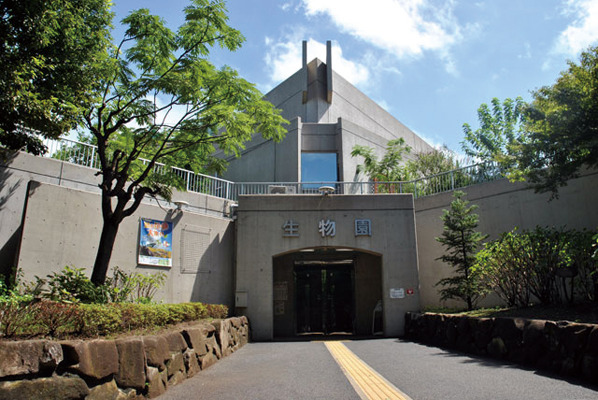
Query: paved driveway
point(368, 369)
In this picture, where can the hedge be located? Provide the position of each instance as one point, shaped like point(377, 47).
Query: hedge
point(53, 319)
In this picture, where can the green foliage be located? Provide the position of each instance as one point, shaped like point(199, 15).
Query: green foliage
point(387, 169)
point(431, 163)
point(461, 242)
point(99, 319)
point(500, 129)
point(55, 318)
point(72, 285)
point(163, 101)
point(135, 287)
point(25, 318)
point(15, 313)
point(562, 127)
point(549, 265)
point(51, 54)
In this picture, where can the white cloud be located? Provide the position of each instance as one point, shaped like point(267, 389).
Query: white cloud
point(405, 28)
point(284, 59)
point(583, 31)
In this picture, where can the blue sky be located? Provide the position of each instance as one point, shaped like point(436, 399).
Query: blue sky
point(430, 63)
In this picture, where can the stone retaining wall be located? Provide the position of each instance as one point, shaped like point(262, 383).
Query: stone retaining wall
point(562, 347)
point(125, 368)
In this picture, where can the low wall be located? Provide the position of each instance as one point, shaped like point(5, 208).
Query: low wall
point(502, 206)
point(125, 368)
point(561, 347)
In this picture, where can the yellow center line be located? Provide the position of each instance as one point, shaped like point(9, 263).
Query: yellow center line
point(369, 384)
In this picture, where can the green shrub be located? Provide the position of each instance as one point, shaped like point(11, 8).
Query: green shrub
point(217, 311)
point(550, 265)
point(135, 286)
point(55, 319)
point(71, 285)
point(99, 319)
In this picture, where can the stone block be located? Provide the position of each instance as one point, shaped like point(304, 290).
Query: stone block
point(95, 359)
point(128, 394)
point(244, 335)
point(176, 342)
point(235, 321)
point(191, 363)
point(482, 334)
point(175, 364)
point(20, 358)
point(589, 368)
point(54, 388)
point(177, 378)
point(496, 348)
point(208, 360)
point(224, 337)
point(592, 346)
point(197, 337)
point(450, 334)
point(155, 385)
point(131, 359)
point(105, 391)
point(51, 355)
point(156, 351)
point(574, 337)
point(28, 357)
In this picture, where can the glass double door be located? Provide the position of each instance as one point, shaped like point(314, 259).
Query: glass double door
point(324, 298)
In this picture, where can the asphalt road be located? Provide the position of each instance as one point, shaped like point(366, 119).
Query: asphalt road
point(306, 370)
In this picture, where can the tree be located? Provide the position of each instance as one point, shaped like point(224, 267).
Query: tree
point(500, 129)
point(562, 127)
point(431, 163)
point(161, 99)
point(51, 52)
point(461, 242)
point(389, 168)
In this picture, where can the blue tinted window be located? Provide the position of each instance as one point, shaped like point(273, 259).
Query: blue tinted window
point(319, 167)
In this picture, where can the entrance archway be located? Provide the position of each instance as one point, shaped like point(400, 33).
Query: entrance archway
point(327, 291)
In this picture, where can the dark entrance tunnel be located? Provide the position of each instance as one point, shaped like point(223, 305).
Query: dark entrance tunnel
point(326, 291)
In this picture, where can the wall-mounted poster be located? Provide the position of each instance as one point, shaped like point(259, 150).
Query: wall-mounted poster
point(155, 243)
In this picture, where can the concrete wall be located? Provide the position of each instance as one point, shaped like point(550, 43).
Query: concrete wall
point(16, 170)
point(502, 206)
point(62, 227)
point(260, 238)
point(50, 211)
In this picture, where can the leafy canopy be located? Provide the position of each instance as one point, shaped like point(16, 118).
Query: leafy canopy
point(548, 141)
point(562, 127)
point(162, 100)
point(388, 168)
point(500, 128)
point(52, 54)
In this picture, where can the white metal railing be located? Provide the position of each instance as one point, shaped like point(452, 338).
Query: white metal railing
point(86, 154)
point(443, 182)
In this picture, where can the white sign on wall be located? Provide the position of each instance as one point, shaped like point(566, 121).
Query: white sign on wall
point(397, 293)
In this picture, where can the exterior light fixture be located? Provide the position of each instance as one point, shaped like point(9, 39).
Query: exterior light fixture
point(179, 204)
point(326, 190)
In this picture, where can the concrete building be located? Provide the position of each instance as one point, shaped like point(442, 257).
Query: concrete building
point(293, 276)
point(328, 117)
point(300, 262)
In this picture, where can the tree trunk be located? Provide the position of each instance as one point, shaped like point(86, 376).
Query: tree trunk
point(107, 239)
